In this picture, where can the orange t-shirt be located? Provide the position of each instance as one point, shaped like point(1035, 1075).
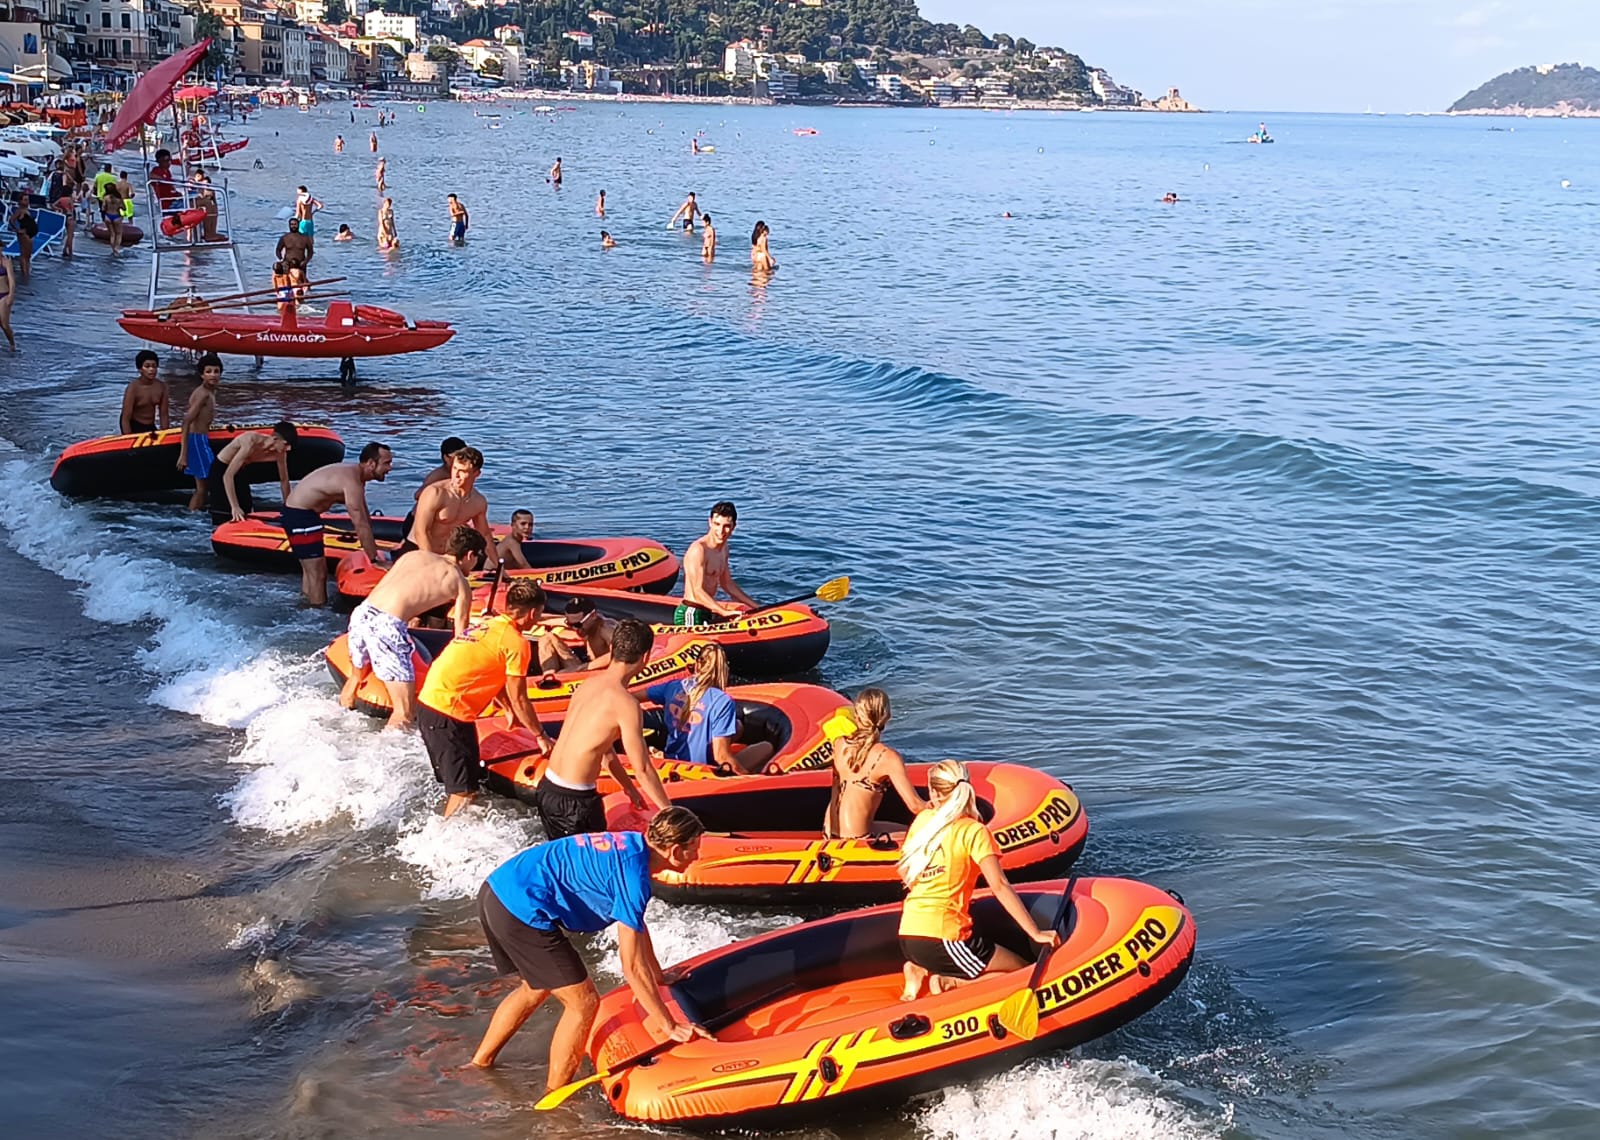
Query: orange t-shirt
point(939, 901)
point(473, 669)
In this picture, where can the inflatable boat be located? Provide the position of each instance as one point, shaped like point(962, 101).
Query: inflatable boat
point(345, 331)
point(260, 541)
point(808, 1020)
point(765, 847)
point(617, 563)
point(799, 721)
point(140, 466)
point(131, 234)
point(672, 657)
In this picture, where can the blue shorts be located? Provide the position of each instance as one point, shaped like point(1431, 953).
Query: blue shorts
point(307, 227)
point(201, 457)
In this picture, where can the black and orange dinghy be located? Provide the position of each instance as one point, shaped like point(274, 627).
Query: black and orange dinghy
point(144, 465)
point(808, 1021)
point(260, 541)
point(801, 722)
point(627, 563)
point(671, 657)
point(764, 844)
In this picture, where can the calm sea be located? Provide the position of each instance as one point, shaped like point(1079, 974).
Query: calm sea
point(1268, 519)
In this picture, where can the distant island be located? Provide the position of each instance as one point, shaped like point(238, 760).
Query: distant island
point(1544, 90)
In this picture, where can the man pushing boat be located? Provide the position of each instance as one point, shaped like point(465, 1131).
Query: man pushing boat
point(580, 885)
point(453, 502)
point(379, 639)
point(706, 573)
point(302, 513)
point(602, 714)
point(231, 500)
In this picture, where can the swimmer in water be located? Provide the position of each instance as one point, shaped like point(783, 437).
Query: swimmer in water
point(708, 244)
point(688, 211)
point(606, 240)
point(555, 173)
point(600, 205)
point(338, 144)
point(1170, 197)
point(344, 233)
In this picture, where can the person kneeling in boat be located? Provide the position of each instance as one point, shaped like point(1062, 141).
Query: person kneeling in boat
point(302, 514)
point(380, 641)
point(701, 720)
point(580, 885)
point(556, 656)
point(472, 671)
point(864, 768)
point(945, 850)
point(602, 714)
point(231, 499)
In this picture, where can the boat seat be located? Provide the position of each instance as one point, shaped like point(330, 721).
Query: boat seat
point(341, 313)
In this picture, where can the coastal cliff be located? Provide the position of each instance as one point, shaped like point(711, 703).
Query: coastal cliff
point(1547, 89)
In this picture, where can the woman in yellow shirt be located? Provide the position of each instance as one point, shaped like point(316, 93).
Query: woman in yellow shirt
point(945, 850)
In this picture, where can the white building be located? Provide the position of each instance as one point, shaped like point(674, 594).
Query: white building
point(296, 55)
point(388, 26)
point(739, 60)
point(131, 32)
point(868, 69)
point(783, 85)
point(309, 11)
point(584, 40)
point(509, 33)
point(1109, 91)
point(889, 85)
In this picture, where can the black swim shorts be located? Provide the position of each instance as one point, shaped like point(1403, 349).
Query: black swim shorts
point(964, 959)
point(217, 495)
point(452, 750)
point(542, 958)
point(566, 811)
point(304, 529)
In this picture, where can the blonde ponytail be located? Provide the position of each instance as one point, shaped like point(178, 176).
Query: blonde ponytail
point(871, 713)
point(710, 672)
point(949, 783)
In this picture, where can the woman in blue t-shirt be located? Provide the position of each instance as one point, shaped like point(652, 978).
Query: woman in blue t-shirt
point(702, 720)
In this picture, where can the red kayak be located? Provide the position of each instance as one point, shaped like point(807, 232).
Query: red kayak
point(345, 331)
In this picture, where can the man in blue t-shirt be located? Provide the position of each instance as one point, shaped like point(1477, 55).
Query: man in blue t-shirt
point(581, 884)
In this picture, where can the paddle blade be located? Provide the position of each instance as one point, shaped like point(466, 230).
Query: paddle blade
point(560, 1096)
point(1020, 1015)
point(835, 589)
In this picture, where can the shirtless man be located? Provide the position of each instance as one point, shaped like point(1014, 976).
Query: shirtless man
point(416, 583)
point(688, 212)
point(705, 572)
point(555, 173)
point(555, 656)
point(306, 206)
point(600, 205)
point(602, 714)
point(450, 503)
point(510, 547)
point(302, 514)
point(458, 219)
point(229, 500)
point(383, 168)
point(144, 402)
point(294, 248)
point(440, 473)
point(194, 447)
point(708, 244)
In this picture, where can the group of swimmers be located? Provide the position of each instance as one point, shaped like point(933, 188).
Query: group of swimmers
point(685, 217)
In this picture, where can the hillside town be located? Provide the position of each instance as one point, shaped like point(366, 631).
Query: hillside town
point(462, 46)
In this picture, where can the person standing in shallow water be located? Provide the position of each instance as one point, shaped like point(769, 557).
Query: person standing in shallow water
point(760, 256)
point(708, 243)
point(555, 173)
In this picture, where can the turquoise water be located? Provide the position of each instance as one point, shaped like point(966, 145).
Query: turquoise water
point(1266, 519)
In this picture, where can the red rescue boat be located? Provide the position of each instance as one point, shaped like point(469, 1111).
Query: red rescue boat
point(345, 331)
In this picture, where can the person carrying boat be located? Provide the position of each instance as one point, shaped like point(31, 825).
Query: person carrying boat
point(489, 663)
point(144, 401)
point(602, 714)
point(510, 547)
point(945, 850)
point(452, 502)
point(701, 720)
point(864, 768)
point(706, 573)
point(556, 656)
point(580, 885)
point(379, 638)
point(302, 514)
point(230, 500)
point(195, 456)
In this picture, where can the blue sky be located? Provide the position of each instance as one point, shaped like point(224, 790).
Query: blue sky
point(1300, 55)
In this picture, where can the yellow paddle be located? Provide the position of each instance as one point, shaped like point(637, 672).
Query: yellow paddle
point(833, 590)
point(557, 1097)
point(1020, 1012)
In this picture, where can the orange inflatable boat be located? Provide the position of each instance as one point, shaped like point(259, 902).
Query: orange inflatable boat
point(671, 657)
point(611, 563)
point(629, 563)
point(799, 721)
point(764, 843)
point(808, 1021)
point(138, 466)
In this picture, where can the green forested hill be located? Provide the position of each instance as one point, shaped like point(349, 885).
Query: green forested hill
point(1534, 88)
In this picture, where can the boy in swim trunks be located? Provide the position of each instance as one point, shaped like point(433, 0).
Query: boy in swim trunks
point(458, 220)
point(601, 714)
point(510, 547)
point(581, 885)
point(379, 639)
point(194, 449)
point(144, 402)
point(302, 514)
point(489, 662)
point(705, 573)
point(231, 499)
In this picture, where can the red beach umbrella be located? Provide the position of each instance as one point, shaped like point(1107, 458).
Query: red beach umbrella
point(152, 94)
point(194, 92)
